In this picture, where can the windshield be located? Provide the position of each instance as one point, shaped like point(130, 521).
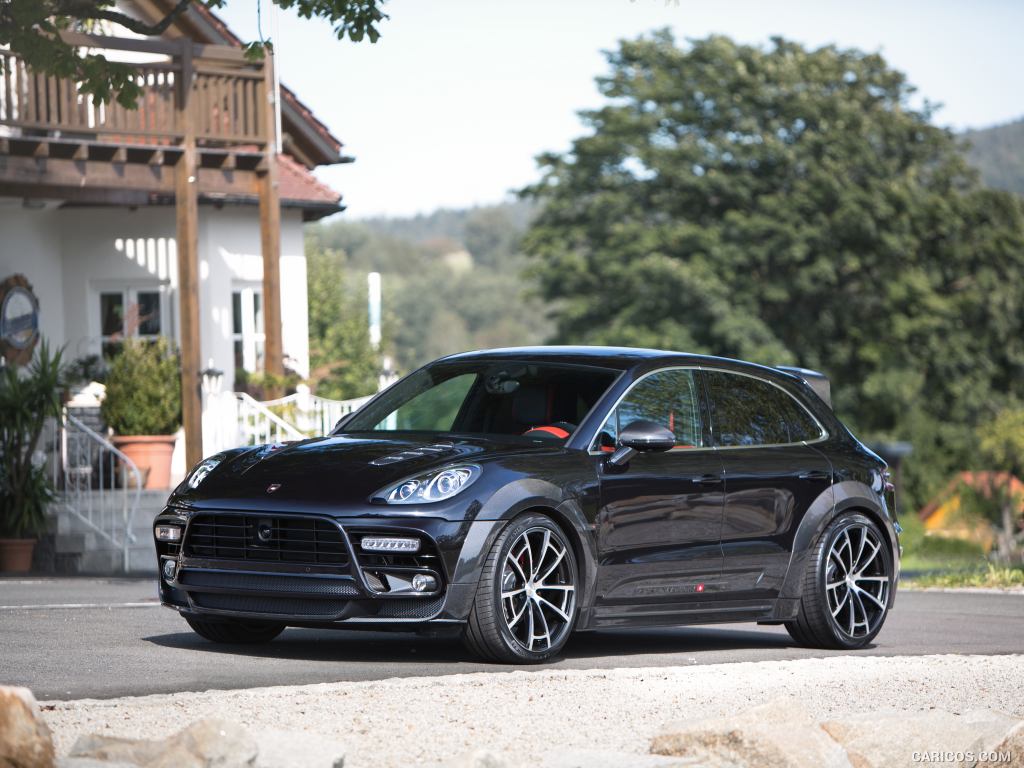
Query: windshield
point(548, 401)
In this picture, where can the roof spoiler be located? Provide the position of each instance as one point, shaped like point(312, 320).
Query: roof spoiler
point(815, 379)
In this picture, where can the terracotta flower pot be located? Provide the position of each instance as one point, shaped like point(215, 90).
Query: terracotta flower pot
point(16, 555)
point(152, 455)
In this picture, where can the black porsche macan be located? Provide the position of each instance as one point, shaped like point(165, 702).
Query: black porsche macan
point(515, 496)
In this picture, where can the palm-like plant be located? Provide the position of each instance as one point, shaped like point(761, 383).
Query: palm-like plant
point(27, 398)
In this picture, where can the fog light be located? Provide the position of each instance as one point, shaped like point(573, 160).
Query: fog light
point(390, 544)
point(168, 533)
point(424, 583)
point(169, 568)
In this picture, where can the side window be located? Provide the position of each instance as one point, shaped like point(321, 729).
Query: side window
point(802, 425)
point(748, 411)
point(668, 398)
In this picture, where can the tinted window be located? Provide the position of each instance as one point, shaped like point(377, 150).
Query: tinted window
point(749, 411)
point(433, 410)
point(486, 397)
point(668, 398)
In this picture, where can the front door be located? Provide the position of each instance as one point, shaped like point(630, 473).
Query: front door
point(772, 476)
point(661, 514)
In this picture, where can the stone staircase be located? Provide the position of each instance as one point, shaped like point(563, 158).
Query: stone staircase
point(75, 548)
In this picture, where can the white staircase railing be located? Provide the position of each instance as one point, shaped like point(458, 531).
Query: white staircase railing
point(233, 419)
point(95, 482)
point(258, 424)
point(313, 415)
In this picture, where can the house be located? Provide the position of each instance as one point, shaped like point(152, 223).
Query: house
point(183, 218)
point(942, 515)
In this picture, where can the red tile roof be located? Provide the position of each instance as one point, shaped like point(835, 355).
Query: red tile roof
point(297, 184)
point(984, 482)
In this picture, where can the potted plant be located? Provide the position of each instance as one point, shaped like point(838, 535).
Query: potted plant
point(27, 398)
point(143, 407)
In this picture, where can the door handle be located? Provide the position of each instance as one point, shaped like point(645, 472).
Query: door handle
point(707, 479)
point(815, 474)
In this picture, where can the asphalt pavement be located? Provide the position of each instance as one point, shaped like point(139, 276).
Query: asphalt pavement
point(100, 638)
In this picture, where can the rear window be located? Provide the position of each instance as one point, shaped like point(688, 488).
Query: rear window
point(747, 411)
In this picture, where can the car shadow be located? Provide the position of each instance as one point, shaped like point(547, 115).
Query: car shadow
point(398, 648)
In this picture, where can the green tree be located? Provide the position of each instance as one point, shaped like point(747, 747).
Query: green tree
point(343, 364)
point(436, 304)
point(33, 29)
point(1001, 446)
point(788, 205)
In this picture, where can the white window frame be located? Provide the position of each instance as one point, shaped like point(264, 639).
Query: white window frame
point(130, 295)
point(251, 334)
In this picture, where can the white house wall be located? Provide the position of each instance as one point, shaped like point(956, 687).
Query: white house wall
point(230, 251)
point(70, 255)
point(30, 245)
point(111, 249)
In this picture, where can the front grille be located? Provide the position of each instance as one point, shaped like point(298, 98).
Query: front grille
point(301, 586)
point(266, 538)
point(281, 606)
point(410, 608)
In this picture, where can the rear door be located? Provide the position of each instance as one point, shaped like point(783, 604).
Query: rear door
point(773, 474)
point(661, 515)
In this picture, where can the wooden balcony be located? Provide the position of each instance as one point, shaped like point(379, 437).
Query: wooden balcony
point(205, 96)
point(228, 99)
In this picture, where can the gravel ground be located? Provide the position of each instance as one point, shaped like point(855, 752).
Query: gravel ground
point(399, 722)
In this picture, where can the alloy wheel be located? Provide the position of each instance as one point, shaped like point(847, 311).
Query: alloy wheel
point(538, 593)
point(856, 581)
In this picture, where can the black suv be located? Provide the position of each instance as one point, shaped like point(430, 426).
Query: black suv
point(513, 496)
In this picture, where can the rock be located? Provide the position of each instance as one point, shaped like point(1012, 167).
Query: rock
point(910, 738)
point(1013, 746)
point(780, 733)
point(88, 762)
point(25, 740)
point(204, 744)
point(109, 749)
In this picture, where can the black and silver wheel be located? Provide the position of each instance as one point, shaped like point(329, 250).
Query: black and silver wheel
point(525, 606)
point(239, 632)
point(847, 587)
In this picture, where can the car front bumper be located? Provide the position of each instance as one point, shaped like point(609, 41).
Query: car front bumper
point(220, 571)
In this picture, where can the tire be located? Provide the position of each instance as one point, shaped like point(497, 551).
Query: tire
point(835, 611)
point(533, 618)
point(235, 632)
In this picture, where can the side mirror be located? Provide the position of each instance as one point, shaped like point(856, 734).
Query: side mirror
point(642, 436)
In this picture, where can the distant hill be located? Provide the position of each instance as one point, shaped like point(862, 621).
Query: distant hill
point(453, 279)
point(998, 153)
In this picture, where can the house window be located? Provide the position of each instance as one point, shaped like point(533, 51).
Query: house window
point(247, 328)
point(129, 313)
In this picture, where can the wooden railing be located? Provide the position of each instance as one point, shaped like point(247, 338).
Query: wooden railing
point(228, 100)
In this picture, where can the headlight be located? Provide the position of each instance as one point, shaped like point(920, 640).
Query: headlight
point(202, 469)
point(436, 485)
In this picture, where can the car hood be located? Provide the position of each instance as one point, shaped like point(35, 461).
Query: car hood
point(330, 472)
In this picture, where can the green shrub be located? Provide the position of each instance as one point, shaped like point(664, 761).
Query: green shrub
point(143, 390)
point(28, 396)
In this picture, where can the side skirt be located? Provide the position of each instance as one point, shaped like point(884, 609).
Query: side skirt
point(690, 612)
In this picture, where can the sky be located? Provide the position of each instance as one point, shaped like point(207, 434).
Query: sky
point(452, 105)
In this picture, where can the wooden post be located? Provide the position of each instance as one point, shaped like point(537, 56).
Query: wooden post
point(186, 204)
point(270, 233)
